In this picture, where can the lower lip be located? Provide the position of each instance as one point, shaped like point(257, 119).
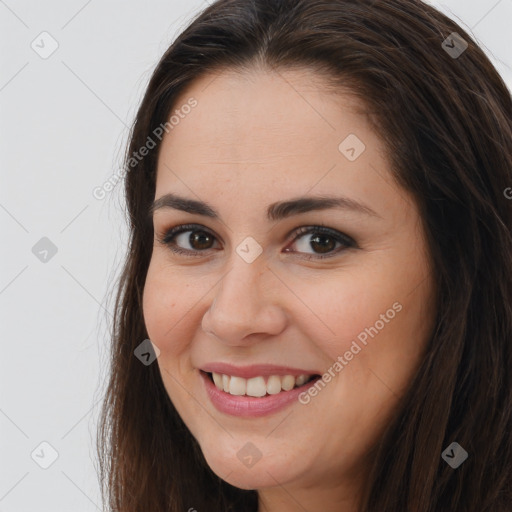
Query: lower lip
point(248, 406)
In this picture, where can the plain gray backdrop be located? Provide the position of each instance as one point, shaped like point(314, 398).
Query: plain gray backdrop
point(64, 116)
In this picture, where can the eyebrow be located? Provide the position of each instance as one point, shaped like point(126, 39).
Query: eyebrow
point(275, 212)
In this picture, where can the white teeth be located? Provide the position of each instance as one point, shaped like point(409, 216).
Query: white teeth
point(301, 379)
point(217, 378)
point(288, 382)
point(273, 385)
point(225, 383)
point(237, 386)
point(257, 386)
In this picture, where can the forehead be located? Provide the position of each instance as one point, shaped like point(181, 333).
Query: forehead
point(263, 115)
point(265, 134)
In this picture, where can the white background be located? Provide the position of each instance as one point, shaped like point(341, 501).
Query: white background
point(64, 122)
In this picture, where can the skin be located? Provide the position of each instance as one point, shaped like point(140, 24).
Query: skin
point(255, 139)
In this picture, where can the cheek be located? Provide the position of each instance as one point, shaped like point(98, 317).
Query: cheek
point(373, 321)
point(167, 308)
point(341, 308)
point(165, 304)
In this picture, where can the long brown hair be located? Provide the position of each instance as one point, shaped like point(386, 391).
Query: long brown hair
point(446, 121)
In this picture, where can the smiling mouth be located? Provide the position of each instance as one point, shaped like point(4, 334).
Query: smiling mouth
point(259, 387)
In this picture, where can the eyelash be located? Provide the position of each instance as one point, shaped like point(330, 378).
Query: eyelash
point(167, 239)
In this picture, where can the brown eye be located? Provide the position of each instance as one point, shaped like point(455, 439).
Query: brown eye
point(323, 243)
point(188, 239)
point(192, 240)
point(321, 240)
point(200, 240)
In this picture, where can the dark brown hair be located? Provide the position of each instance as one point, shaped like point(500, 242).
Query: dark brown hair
point(447, 126)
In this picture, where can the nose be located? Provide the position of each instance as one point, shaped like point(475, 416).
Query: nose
point(246, 304)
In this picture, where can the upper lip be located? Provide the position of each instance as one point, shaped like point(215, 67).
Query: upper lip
point(255, 370)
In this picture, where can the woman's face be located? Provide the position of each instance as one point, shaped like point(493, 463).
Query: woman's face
point(251, 292)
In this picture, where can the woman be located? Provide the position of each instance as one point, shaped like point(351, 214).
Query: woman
point(321, 255)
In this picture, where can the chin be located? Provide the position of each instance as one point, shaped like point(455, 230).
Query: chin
point(263, 473)
point(249, 478)
point(247, 482)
